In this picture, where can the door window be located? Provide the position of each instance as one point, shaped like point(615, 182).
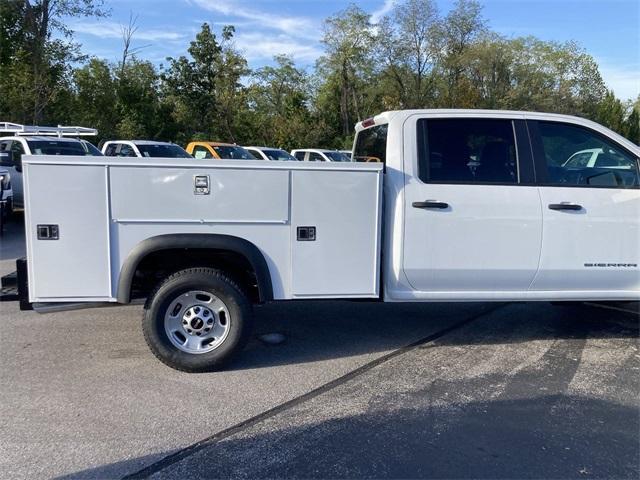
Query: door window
point(254, 153)
point(315, 157)
point(577, 156)
point(126, 151)
point(17, 150)
point(371, 144)
point(201, 152)
point(110, 151)
point(467, 150)
point(300, 156)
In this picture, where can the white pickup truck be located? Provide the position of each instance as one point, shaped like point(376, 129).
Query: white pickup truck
point(458, 205)
point(35, 140)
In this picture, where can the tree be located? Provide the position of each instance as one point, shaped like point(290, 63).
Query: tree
point(96, 97)
point(408, 43)
point(348, 38)
point(279, 98)
point(632, 123)
point(205, 89)
point(36, 64)
point(462, 26)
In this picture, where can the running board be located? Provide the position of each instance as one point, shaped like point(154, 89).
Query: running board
point(52, 307)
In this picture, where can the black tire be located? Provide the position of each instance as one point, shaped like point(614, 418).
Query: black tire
point(197, 279)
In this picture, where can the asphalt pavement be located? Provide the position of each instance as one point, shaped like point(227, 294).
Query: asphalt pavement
point(356, 389)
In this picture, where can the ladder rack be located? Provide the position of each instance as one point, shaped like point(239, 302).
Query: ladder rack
point(59, 131)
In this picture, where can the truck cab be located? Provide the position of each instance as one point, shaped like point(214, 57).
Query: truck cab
point(484, 205)
point(271, 154)
point(218, 150)
point(320, 155)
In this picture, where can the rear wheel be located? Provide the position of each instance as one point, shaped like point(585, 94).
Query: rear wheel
point(196, 320)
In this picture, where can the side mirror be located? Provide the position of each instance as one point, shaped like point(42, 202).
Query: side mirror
point(6, 158)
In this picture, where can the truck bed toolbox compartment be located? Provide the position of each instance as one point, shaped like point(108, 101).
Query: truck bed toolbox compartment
point(317, 226)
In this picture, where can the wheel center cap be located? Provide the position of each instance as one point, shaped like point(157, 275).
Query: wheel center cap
point(197, 323)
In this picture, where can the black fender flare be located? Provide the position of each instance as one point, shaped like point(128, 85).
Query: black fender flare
point(200, 241)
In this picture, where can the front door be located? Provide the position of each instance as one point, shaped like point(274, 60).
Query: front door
point(591, 211)
point(473, 221)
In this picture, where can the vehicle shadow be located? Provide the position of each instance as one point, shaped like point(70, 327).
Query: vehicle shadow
point(551, 436)
point(316, 331)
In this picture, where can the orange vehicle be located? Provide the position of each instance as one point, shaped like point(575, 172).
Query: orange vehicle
point(223, 151)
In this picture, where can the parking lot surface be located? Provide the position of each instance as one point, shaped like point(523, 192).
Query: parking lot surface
point(356, 390)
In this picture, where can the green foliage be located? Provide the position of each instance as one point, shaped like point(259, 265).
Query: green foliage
point(416, 57)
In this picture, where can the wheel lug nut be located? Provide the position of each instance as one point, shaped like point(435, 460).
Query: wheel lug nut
point(198, 333)
point(210, 321)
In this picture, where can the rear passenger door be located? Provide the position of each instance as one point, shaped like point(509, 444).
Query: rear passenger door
point(473, 221)
point(591, 210)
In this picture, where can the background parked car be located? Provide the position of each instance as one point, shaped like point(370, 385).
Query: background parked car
point(6, 195)
point(35, 140)
point(222, 151)
point(143, 148)
point(268, 153)
point(319, 155)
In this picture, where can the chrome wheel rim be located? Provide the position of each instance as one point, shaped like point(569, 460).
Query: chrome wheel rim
point(197, 322)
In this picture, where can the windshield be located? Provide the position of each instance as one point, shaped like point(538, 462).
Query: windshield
point(91, 149)
point(229, 152)
point(277, 154)
point(162, 150)
point(337, 157)
point(59, 147)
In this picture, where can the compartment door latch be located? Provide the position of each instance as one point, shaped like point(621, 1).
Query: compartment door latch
point(201, 185)
point(48, 232)
point(306, 234)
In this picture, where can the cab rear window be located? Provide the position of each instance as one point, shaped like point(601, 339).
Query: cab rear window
point(371, 144)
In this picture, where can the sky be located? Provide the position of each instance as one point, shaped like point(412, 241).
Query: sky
point(609, 30)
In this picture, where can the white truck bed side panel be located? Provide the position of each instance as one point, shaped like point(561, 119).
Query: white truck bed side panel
point(271, 240)
point(167, 194)
point(344, 207)
point(77, 265)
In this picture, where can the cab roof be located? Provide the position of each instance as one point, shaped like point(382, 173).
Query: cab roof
point(214, 144)
point(140, 142)
point(402, 115)
point(316, 150)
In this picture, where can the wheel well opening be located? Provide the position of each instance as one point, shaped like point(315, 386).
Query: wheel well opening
point(158, 265)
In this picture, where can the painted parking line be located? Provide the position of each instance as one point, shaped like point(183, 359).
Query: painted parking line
point(216, 437)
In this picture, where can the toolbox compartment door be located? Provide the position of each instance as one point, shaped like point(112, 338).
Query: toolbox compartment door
point(73, 199)
point(336, 254)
